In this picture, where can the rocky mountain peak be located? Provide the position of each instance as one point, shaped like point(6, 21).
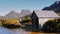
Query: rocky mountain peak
point(55, 7)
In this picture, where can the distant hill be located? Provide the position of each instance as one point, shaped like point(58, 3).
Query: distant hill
point(25, 12)
point(12, 15)
point(1, 17)
point(55, 7)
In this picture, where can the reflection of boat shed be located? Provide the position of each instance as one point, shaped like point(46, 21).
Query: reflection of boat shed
point(40, 17)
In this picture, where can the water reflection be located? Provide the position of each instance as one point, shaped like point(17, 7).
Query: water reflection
point(12, 31)
point(19, 31)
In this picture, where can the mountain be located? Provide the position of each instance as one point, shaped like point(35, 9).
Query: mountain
point(25, 12)
point(1, 17)
point(55, 7)
point(12, 15)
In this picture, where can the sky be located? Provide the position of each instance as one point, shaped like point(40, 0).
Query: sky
point(7, 6)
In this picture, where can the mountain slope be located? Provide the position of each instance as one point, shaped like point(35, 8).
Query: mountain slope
point(12, 15)
point(1, 17)
point(55, 7)
point(25, 13)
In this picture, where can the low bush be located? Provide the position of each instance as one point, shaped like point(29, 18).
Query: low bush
point(52, 26)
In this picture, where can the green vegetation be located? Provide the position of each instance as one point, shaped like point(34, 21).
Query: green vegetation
point(0, 23)
point(10, 23)
point(59, 14)
point(27, 23)
point(51, 26)
point(27, 20)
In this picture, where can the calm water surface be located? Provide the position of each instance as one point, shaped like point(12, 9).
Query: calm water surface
point(18, 31)
point(13, 31)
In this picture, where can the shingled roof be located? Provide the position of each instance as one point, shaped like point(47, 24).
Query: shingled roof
point(45, 13)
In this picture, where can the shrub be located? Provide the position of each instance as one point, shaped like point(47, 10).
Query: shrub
point(26, 20)
point(0, 23)
point(12, 21)
point(52, 26)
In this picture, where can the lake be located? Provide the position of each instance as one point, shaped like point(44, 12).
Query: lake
point(19, 31)
point(13, 31)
